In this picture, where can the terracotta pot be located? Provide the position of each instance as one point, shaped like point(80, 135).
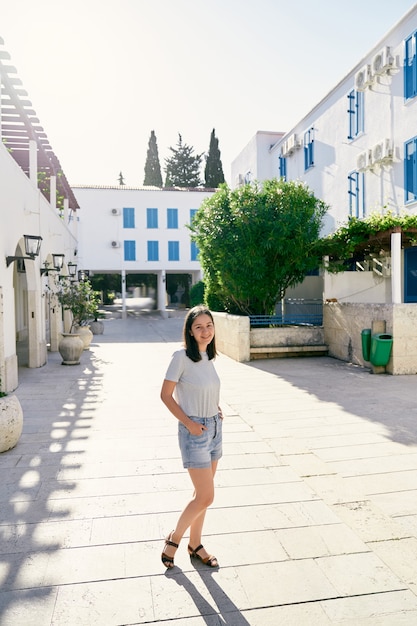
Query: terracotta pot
point(11, 422)
point(71, 348)
point(85, 334)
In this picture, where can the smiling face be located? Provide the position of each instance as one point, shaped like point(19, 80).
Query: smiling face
point(202, 329)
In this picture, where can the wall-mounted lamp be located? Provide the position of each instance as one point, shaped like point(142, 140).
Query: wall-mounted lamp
point(72, 269)
point(57, 263)
point(32, 248)
point(83, 275)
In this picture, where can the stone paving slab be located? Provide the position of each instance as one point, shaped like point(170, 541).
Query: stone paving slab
point(309, 522)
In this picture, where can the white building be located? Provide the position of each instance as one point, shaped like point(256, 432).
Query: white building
point(356, 149)
point(28, 319)
point(127, 230)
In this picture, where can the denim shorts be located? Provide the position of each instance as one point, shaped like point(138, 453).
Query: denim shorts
point(199, 451)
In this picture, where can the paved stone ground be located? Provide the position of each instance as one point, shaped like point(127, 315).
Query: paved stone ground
point(314, 521)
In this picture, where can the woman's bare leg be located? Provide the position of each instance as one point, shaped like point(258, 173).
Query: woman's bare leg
point(202, 480)
point(196, 527)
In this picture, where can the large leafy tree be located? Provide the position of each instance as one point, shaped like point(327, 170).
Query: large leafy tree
point(153, 174)
point(183, 167)
point(255, 242)
point(213, 172)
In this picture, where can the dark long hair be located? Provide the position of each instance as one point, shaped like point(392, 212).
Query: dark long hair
point(190, 344)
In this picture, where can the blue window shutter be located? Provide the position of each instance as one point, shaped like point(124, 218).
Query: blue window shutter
point(351, 114)
point(173, 251)
point(130, 250)
point(410, 170)
point(152, 218)
point(283, 167)
point(128, 217)
point(194, 251)
point(410, 67)
point(153, 251)
point(172, 218)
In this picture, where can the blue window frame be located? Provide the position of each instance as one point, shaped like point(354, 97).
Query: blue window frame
point(194, 251)
point(356, 194)
point(172, 218)
point(192, 214)
point(410, 67)
point(283, 167)
point(130, 250)
point(128, 217)
point(153, 251)
point(410, 170)
point(355, 112)
point(151, 218)
point(173, 250)
point(308, 148)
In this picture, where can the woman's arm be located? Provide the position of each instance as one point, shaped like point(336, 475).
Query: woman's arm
point(168, 399)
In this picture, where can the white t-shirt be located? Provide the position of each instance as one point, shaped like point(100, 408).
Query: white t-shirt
point(198, 386)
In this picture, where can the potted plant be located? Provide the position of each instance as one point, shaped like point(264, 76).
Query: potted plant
point(11, 420)
point(80, 299)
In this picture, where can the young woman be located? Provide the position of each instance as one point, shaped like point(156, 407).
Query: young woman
point(191, 391)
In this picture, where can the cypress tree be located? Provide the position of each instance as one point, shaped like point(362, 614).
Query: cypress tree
point(213, 172)
point(183, 167)
point(153, 175)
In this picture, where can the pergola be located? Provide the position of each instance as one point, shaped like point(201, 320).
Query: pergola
point(19, 125)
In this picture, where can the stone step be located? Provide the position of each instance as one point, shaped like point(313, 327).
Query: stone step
point(271, 352)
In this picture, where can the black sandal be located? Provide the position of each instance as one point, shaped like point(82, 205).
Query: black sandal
point(211, 561)
point(168, 561)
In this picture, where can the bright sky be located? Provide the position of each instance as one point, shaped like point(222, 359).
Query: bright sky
point(101, 74)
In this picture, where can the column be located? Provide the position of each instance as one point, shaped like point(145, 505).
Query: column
point(396, 268)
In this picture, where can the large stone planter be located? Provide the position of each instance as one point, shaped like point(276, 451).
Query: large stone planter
point(71, 348)
point(11, 422)
point(97, 327)
point(85, 334)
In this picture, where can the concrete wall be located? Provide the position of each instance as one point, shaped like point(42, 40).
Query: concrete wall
point(343, 323)
point(233, 335)
point(357, 287)
point(235, 338)
point(286, 336)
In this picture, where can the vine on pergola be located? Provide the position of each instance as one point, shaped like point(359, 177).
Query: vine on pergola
point(361, 237)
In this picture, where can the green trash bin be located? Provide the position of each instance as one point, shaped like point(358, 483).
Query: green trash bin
point(381, 345)
point(366, 343)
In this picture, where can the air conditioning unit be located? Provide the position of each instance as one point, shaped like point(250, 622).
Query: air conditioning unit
point(115, 244)
point(363, 78)
point(364, 161)
point(115, 212)
point(382, 152)
point(382, 62)
point(292, 143)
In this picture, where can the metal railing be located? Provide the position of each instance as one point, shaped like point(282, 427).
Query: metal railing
point(296, 312)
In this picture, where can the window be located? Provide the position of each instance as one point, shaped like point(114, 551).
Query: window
point(355, 112)
point(173, 250)
point(172, 218)
point(410, 67)
point(308, 149)
point(194, 251)
point(410, 170)
point(356, 193)
point(151, 218)
point(153, 251)
point(192, 213)
point(283, 167)
point(128, 217)
point(130, 250)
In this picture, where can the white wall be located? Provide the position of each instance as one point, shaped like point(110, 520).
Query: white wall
point(25, 211)
point(387, 115)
